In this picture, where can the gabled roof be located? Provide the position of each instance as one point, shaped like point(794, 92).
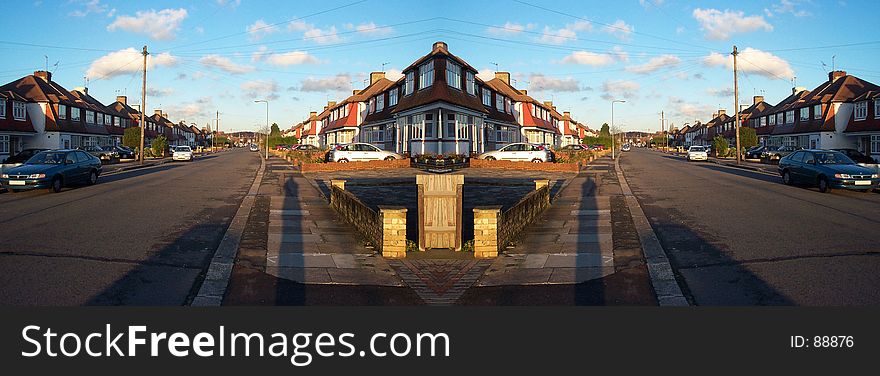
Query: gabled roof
point(39, 90)
point(871, 122)
point(439, 91)
point(439, 49)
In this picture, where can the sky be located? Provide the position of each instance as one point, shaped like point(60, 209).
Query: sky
point(221, 55)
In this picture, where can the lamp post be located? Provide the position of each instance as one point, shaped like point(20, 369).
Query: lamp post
point(613, 156)
point(267, 125)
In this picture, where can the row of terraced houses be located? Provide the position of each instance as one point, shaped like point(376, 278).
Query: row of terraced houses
point(842, 112)
point(36, 112)
point(440, 106)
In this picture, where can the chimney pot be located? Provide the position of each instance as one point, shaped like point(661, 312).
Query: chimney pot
point(566, 114)
point(376, 76)
point(331, 104)
point(122, 99)
point(354, 92)
point(721, 112)
point(548, 103)
point(834, 75)
point(46, 76)
point(440, 46)
point(757, 99)
point(503, 76)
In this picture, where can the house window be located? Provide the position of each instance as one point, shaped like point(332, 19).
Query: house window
point(533, 110)
point(18, 110)
point(861, 111)
point(875, 144)
point(426, 74)
point(487, 97)
point(779, 119)
point(817, 111)
point(2, 108)
point(805, 114)
point(90, 117)
point(453, 74)
point(408, 88)
point(471, 83)
point(108, 119)
point(499, 102)
point(380, 102)
point(62, 111)
point(117, 121)
point(763, 121)
point(392, 97)
point(429, 126)
point(415, 123)
point(4, 142)
point(372, 105)
point(877, 109)
point(100, 119)
point(462, 123)
point(507, 107)
point(449, 131)
point(789, 117)
point(345, 111)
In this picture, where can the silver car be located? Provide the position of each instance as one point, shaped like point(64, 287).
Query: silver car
point(519, 152)
point(358, 152)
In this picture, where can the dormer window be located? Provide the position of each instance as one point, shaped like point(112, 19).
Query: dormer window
point(2, 108)
point(861, 111)
point(392, 97)
point(499, 102)
point(90, 117)
point(19, 110)
point(100, 119)
point(408, 87)
point(372, 105)
point(62, 111)
point(805, 114)
point(487, 97)
point(380, 102)
point(877, 109)
point(817, 111)
point(471, 83)
point(426, 74)
point(453, 74)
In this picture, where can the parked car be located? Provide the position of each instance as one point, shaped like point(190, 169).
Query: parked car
point(597, 147)
point(519, 152)
point(182, 153)
point(305, 147)
point(857, 156)
point(575, 147)
point(359, 151)
point(124, 152)
point(21, 157)
point(254, 147)
point(53, 169)
point(826, 169)
point(626, 147)
point(105, 155)
point(697, 153)
point(755, 152)
point(775, 153)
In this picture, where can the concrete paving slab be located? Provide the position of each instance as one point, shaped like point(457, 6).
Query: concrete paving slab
point(578, 275)
point(534, 261)
point(289, 212)
point(345, 261)
point(516, 277)
point(362, 277)
point(301, 275)
point(578, 260)
point(292, 237)
point(584, 238)
point(590, 212)
point(301, 260)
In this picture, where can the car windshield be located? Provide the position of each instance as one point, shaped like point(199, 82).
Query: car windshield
point(47, 158)
point(182, 149)
point(833, 158)
point(696, 148)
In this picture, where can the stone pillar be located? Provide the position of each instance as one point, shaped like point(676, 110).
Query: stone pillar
point(541, 183)
point(338, 183)
point(393, 231)
point(486, 231)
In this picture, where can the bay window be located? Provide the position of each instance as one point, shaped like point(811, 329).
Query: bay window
point(449, 130)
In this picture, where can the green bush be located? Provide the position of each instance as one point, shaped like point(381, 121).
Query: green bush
point(468, 246)
point(411, 246)
point(299, 157)
point(719, 146)
point(132, 137)
point(159, 145)
point(579, 157)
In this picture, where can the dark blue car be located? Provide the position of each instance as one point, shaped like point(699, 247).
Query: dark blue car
point(826, 169)
point(53, 169)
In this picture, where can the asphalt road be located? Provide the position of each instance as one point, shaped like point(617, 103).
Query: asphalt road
point(738, 237)
point(140, 237)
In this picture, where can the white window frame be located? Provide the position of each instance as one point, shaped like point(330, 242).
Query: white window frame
point(2, 108)
point(877, 109)
point(817, 111)
point(392, 97)
point(117, 121)
point(875, 144)
point(805, 114)
point(380, 102)
point(19, 110)
point(99, 118)
point(4, 144)
point(409, 84)
point(471, 83)
point(463, 123)
point(499, 102)
point(762, 122)
point(429, 126)
point(789, 117)
point(450, 125)
point(426, 75)
point(90, 117)
point(487, 97)
point(860, 112)
point(453, 74)
point(372, 106)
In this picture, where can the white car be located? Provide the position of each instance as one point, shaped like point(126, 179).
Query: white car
point(697, 153)
point(182, 153)
point(357, 152)
point(519, 152)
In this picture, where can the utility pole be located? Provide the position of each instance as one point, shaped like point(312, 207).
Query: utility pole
point(662, 125)
point(611, 129)
point(216, 130)
point(736, 105)
point(143, 107)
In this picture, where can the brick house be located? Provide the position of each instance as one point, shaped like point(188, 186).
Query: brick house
point(15, 124)
point(864, 123)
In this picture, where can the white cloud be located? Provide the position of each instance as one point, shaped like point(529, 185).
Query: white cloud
point(260, 29)
point(192, 111)
point(224, 64)
point(161, 25)
point(718, 25)
point(339, 82)
point(156, 92)
point(370, 28)
point(127, 61)
point(617, 89)
point(486, 74)
point(510, 28)
point(540, 82)
point(291, 58)
point(648, 3)
point(88, 7)
point(298, 25)
point(679, 108)
point(787, 6)
point(589, 58)
point(229, 3)
point(559, 36)
point(322, 36)
point(753, 61)
point(655, 64)
point(619, 29)
point(393, 74)
point(720, 92)
point(261, 89)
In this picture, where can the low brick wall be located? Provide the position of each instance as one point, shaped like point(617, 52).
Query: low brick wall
point(494, 229)
point(516, 165)
point(385, 230)
point(366, 165)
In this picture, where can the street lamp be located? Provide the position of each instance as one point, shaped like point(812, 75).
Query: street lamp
point(267, 125)
point(612, 125)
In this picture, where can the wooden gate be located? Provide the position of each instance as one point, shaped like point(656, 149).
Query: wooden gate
point(440, 211)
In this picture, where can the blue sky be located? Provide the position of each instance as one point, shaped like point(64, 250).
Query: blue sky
point(220, 55)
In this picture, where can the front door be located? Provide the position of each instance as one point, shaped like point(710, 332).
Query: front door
point(440, 198)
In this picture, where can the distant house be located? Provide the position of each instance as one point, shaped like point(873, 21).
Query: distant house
point(15, 124)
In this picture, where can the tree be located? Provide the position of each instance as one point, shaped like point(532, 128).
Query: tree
point(275, 132)
point(747, 137)
point(605, 131)
point(719, 145)
point(159, 145)
point(132, 137)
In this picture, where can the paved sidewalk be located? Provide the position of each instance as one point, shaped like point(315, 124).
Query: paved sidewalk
point(572, 242)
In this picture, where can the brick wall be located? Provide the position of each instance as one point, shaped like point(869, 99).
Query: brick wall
point(366, 165)
point(516, 165)
point(385, 230)
point(494, 229)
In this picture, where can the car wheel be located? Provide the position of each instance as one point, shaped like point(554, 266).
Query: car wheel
point(57, 184)
point(389, 158)
point(866, 190)
point(490, 158)
point(786, 177)
point(93, 177)
point(823, 184)
point(343, 160)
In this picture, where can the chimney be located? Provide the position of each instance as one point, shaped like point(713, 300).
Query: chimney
point(440, 46)
point(354, 92)
point(330, 104)
point(313, 114)
point(757, 99)
point(157, 112)
point(82, 89)
point(721, 112)
point(548, 104)
point(376, 76)
point(122, 99)
point(567, 114)
point(524, 92)
point(46, 76)
point(714, 115)
point(503, 76)
point(834, 75)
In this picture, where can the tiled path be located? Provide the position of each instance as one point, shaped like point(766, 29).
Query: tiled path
point(571, 243)
point(439, 281)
